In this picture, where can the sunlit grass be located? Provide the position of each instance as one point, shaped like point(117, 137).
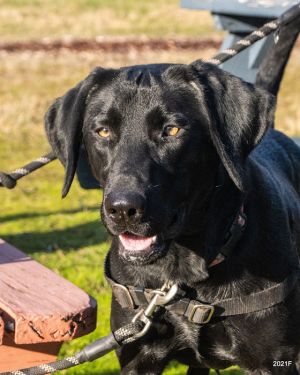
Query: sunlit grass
point(34, 19)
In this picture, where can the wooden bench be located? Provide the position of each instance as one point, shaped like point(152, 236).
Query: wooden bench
point(39, 310)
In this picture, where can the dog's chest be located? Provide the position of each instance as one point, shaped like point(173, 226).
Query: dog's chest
point(210, 346)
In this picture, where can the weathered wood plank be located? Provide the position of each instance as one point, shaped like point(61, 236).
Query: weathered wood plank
point(42, 306)
point(14, 357)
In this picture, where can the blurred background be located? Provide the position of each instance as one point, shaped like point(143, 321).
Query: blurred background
point(46, 47)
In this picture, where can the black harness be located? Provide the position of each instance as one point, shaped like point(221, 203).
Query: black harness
point(200, 312)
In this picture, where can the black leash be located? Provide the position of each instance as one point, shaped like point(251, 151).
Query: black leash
point(9, 180)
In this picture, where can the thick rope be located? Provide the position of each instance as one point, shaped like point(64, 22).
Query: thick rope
point(47, 368)
point(91, 352)
point(268, 28)
point(9, 180)
point(242, 44)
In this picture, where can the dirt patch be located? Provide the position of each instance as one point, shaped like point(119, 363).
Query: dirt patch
point(111, 44)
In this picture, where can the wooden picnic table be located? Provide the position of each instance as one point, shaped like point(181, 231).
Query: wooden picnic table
point(39, 310)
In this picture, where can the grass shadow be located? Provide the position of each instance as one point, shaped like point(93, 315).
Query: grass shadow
point(76, 237)
point(33, 215)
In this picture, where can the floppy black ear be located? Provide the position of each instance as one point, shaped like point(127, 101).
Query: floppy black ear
point(64, 120)
point(239, 114)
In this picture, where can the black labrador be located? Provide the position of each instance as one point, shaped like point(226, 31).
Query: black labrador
point(179, 151)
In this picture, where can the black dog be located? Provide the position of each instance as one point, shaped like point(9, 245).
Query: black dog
point(182, 151)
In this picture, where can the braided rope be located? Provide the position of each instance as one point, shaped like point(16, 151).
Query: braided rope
point(48, 368)
point(9, 180)
point(242, 44)
point(121, 336)
point(126, 334)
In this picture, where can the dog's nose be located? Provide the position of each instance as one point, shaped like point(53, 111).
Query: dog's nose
point(124, 207)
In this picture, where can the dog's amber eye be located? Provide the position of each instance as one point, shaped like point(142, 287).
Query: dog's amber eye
point(104, 132)
point(171, 131)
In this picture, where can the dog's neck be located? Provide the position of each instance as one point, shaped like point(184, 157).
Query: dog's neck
point(211, 208)
point(189, 255)
point(210, 223)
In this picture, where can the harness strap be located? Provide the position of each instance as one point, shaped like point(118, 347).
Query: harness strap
point(201, 312)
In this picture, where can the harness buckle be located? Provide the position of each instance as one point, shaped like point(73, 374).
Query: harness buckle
point(199, 313)
point(160, 298)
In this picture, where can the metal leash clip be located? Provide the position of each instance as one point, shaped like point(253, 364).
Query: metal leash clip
point(161, 297)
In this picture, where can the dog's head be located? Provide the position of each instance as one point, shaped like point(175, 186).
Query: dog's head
point(155, 136)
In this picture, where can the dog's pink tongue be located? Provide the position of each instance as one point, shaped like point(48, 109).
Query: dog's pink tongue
point(136, 243)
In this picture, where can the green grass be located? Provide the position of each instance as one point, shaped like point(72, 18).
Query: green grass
point(26, 19)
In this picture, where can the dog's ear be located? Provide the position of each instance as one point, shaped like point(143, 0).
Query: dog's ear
point(64, 120)
point(238, 115)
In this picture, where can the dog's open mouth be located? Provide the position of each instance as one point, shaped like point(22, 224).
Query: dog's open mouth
point(137, 247)
point(136, 244)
